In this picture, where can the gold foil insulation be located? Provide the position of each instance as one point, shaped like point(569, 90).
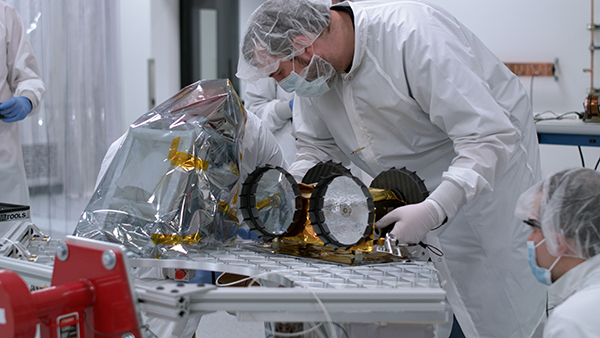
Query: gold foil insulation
point(302, 240)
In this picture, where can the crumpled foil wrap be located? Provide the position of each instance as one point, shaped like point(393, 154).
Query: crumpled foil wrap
point(172, 185)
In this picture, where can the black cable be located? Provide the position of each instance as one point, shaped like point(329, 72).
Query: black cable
point(433, 249)
point(581, 155)
point(342, 328)
point(598, 162)
point(439, 226)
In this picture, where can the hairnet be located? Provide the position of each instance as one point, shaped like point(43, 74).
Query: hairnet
point(566, 206)
point(270, 32)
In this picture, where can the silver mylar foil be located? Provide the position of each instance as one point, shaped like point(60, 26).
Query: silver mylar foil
point(172, 185)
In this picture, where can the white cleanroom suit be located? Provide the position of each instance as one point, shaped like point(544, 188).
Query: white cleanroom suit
point(19, 76)
point(424, 93)
point(562, 213)
point(272, 105)
point(573, 302)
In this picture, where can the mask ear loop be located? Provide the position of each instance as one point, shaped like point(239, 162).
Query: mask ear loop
point(555, 261)
point(539, 243)
point(554, 264)
point(300, 51)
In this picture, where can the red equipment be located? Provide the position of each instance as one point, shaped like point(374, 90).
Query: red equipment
point(91, 296)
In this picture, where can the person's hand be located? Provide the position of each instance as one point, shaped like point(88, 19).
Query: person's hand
point(292, 104)
point(247, 234)
point(15, 109)
point(412, 222)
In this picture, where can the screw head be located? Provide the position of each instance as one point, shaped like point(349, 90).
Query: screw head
point(109, 259)
point(62, 251)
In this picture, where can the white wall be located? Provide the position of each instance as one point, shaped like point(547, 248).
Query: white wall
point(246, 9)
point(135, 49)
point(517, 31)
point(540, 31)
point(165, 48)
point(149, 30)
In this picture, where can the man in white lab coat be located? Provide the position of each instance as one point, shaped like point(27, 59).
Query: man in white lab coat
point(404, 84)
point(21, 90)
point(564, 248)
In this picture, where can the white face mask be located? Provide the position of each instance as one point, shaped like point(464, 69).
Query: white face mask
point(289, 83)
point(314, 80)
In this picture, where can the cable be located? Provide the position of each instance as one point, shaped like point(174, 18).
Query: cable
point(538, 117)
point(327, 316)
point(342, 328)
point(436, 251)
point(531, 90)
point(295, 334)
point(581, 155)
point(598, 162)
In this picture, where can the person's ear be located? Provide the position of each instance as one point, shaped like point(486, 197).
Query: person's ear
point(302, 43)
point(564, 245)
point(568, 246)
point(562, 248)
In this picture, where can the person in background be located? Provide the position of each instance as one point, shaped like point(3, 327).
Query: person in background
point(273, 106)
point(21, 91)
point(564, 246)
point(405, 84)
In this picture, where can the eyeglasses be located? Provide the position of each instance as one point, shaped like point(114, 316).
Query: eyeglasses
point(533, 223)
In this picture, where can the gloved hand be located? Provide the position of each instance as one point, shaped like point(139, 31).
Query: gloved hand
point(292, 104)
point(15, 109)
point(247, 234)
point(413, 221)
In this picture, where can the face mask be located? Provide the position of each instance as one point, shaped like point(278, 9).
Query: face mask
point(313, 80)
point(541, 274)
point(289, 83)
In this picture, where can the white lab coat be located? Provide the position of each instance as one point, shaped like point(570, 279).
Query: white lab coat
point(573, 300)
point(271, 104)
point(19, 76)
point(424, 93)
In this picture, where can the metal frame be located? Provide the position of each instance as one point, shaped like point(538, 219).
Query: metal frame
point(399, 292)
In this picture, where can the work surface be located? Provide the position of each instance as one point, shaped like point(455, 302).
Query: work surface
point(292, 288)
point(569, 132)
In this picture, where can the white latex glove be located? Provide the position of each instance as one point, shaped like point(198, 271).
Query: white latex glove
point(283, 110)
point(413, 221)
